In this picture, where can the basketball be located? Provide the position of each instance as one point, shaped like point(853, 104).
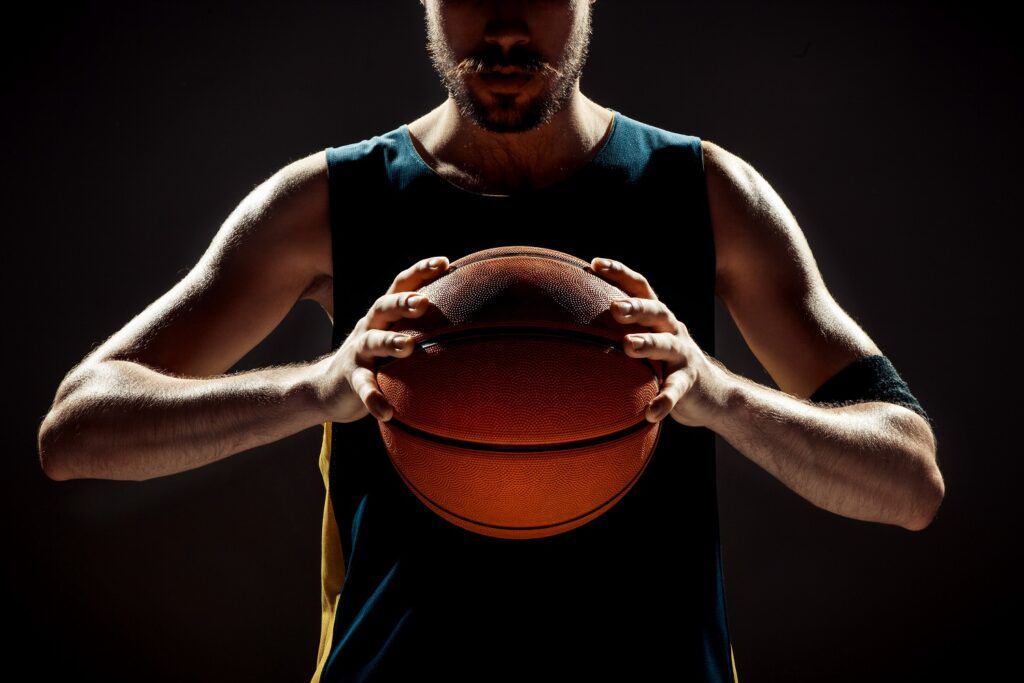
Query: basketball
point(519, 414)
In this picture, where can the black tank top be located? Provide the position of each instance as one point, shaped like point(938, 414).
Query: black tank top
point(635, 594)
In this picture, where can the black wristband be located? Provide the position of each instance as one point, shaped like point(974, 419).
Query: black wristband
point(871, 378)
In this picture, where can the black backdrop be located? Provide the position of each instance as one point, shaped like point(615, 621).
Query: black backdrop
point(891, 129)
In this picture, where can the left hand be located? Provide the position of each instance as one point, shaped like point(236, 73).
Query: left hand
point(694, 387)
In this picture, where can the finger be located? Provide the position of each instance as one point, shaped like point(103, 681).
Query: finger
point(673, 388)
point(649, 312)
point(390, 307)
point(376, 343)
point(364, 384)
point(624, 277)
point(419, 273)
point(653, 345)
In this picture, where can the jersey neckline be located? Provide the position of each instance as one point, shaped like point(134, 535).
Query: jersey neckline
point(410, 149)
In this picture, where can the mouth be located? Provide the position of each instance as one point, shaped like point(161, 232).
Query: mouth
point(505, 70)
point(506, 79)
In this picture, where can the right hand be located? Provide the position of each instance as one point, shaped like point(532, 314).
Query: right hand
point(348, 386)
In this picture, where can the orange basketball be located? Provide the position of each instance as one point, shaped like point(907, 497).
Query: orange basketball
point(518, 414)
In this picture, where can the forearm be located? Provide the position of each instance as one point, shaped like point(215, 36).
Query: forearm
point(862, 461)
point(126, 421)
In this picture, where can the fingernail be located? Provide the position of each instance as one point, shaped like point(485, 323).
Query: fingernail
point(435, 262)
point(604, 264)
point(414, 301)
point(637, 342)
point(625, 307)
point(400, 342)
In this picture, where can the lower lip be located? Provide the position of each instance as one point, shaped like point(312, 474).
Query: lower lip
point(507, 82)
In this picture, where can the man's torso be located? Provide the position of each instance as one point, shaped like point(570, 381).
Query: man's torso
point(639, 588)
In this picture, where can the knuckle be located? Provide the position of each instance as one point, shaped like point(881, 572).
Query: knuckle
point(414, 300)
point(401, 300)
point(399, 342)
point(375, 339)
point(355, 379)
point(387, 342)
point(675, 391)
point(346, 374)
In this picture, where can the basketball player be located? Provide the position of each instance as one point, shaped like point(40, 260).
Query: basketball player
point(516, 155)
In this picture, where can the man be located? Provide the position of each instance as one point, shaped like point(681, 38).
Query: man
point(516, 155)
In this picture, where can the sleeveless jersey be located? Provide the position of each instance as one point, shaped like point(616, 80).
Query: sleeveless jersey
point(635, 594)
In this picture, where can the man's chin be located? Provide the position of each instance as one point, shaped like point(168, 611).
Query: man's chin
point(516, 118)
point(505, 122)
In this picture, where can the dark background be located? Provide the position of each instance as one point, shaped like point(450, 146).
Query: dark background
point(891, 129)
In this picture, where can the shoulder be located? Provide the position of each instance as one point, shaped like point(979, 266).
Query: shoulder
point(733, 184)
point(754, 230)
point(280, 214)
point(728, 175)
point(298, 194)
point(285, 219)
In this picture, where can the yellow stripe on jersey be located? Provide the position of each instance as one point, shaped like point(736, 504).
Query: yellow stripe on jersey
point(332, 563)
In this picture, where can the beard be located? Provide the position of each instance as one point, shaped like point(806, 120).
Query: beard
point(510, 112)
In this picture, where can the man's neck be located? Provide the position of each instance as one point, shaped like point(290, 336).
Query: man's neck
point(500, 163)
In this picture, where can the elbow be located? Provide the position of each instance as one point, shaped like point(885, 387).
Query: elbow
point(934, 488)
point(57, 445)
point(59, 439)
point(49, 442)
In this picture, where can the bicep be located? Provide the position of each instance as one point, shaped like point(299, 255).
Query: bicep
point(767, 278)
point(261, 261)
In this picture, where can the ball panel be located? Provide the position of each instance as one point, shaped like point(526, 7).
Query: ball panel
point(521, 389)
point(519, 494)
point(518, 289)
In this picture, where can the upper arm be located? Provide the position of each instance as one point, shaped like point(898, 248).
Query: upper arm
point(767, 277)
point(272, 251)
